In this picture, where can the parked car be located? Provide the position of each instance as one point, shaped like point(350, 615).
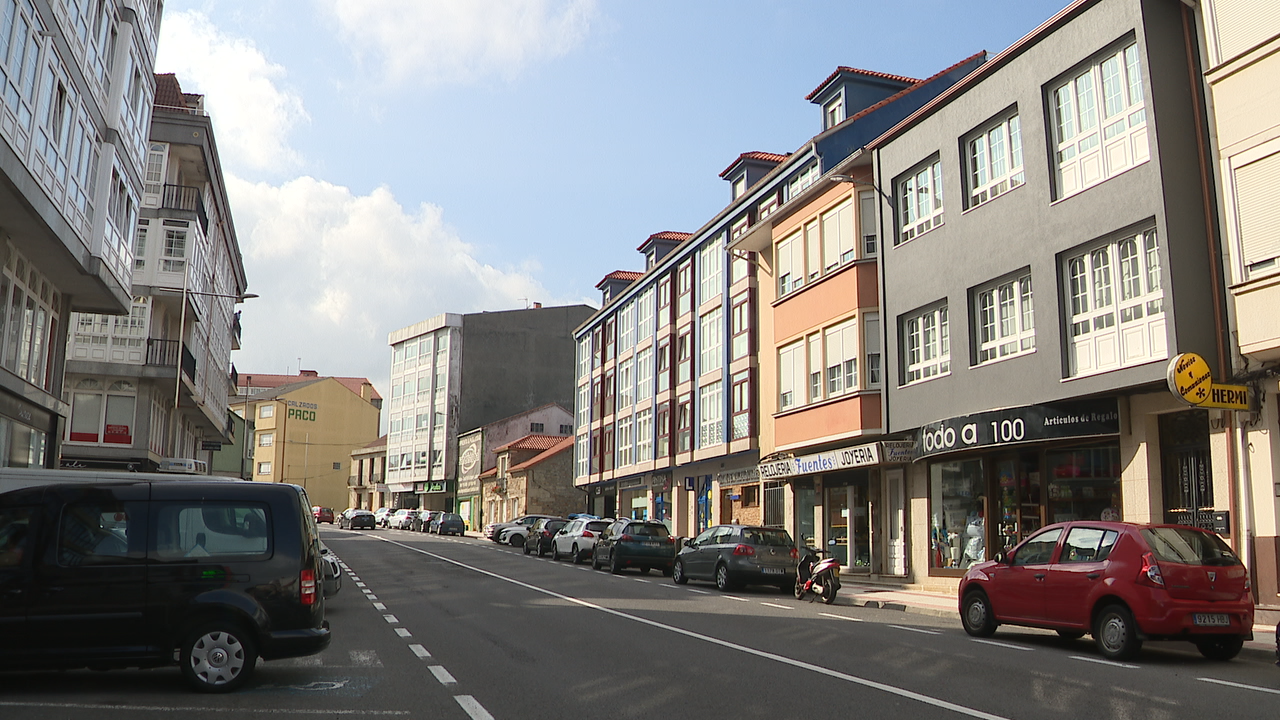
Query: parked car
point(422, 523)
point(1122, 582)
point(737, 555)
point(332, 571)
point(381, 514)
point(576, 539)
point(323, 514)
point(206, 575)
point(353, 519)
point(494, 531)
point(635, 543)
point(449, 524)
point(402, 519)
point(540, 533)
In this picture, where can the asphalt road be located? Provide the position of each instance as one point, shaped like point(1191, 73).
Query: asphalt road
point(431, 627)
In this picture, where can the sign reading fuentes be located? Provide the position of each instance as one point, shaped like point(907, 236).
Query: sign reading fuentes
point(850, 457)
point(1053, 421)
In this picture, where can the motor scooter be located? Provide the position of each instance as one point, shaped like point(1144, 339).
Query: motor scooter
point(817, 575)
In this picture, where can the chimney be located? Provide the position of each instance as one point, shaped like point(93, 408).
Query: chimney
point(366, 390)
point(537, 305)
point(308, 373)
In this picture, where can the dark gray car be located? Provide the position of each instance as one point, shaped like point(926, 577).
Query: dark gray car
point(737, 555)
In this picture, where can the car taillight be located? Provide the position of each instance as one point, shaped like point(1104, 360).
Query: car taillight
point(546, 533)
point(308, 585)
point(795, 554)
point(587, 533)
point(1150, 574)
point(744, 550)
point(625, 538)
point(671, 539)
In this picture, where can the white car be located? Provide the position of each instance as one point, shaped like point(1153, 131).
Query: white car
point(577, 539)
point(402, 519)
point(380, 516)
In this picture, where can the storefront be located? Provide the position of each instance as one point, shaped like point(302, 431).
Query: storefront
point(25, 433)
point(996, 477)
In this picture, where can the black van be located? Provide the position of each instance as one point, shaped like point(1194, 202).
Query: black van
point(129, 570)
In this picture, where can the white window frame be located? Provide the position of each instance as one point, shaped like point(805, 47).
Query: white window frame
point(711, 414)
point(266, 410)
point(626, 383)
point(920, 201)
point(711, 259)
point(791, 376)
point(582, 455)
point(1114, 303)
point(626, 327)
point(790, 263)
point(266, 439)
point(994, 161)
point(840, 358)
point(264, 467)
point(644, 435)
point(644, 374)
point(873, 375)
point(711, 331)
point(833, 112)
point(644, 315)
point(626, 443)
point(1098, 119)
point(803, 179)
point(1004, 315)
point(839, 241)
point(926, 345)
point(869, 233)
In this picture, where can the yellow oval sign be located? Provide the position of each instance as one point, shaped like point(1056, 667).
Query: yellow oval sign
point(1190, 378)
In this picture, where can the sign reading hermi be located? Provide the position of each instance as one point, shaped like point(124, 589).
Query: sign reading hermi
point(1191, 380)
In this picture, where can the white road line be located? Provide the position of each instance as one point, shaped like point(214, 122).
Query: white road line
point(370, 596)
point(442, 675)
point(1100, 661)
point(472, 707)
point(419, 650)
point(640, 580)
point(997, 643)
point(379, 606)
point(359, 584)
point(1242, 686)
point(197, 710)
point(890, 689)
point(700, 592)
point(735, 597)
point(403, 632)
point(390, 618)
point(842, 617)
point(915, 630)
point(775, 605)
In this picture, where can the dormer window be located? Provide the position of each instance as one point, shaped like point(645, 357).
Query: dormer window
point(833, 112)
point(739, 187)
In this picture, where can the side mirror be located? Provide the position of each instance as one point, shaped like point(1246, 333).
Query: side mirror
point(688, 542)
point(1001, 558)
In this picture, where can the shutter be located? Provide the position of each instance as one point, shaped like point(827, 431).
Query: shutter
point(1244, 24)
point(1258, 209)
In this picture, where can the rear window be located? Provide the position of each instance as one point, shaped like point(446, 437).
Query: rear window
point(186, 531)
point(1185, 546)
point(556, 524)
point(767, 537)
point(598, 526)
point(648, 530)
point(452, 518)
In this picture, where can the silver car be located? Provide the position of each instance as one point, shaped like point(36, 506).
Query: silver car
point(737, 555)
point(402, 519)
point(576, 540)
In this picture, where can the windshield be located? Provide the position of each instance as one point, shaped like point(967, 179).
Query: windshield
point(1187, 546)
point(767, 537)
point(648, 530)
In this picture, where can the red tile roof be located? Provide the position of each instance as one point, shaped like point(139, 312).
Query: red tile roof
point(491, 472)
point(679, 237)
point(564, 444)
point(264, 380)
point(628, 275)
point(380, 442)
point(868, 73)
point(774, 158)
point(168, 91)
point(531, 442)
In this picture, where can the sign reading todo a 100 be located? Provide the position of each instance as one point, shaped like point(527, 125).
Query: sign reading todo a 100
point(1053, 421)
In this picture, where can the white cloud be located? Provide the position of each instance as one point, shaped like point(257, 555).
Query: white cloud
point(253, 115)
point(337, 271)
point(439, 41)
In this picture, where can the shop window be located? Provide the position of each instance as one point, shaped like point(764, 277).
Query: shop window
point(102, 415)
point(750, 496)
point(957, 507)
point(1084, 484)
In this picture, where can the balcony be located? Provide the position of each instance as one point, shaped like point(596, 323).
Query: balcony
point(354, 481)
point(164, 353)
point(188, 199)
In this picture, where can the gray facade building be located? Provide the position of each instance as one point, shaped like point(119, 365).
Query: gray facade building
point(1048, 257)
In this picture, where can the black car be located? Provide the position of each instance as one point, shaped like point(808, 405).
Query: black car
point(449, 524)
point(635, 543)
point(540, 533)
point(355, 519)
point(116, 570)
point(422, 522)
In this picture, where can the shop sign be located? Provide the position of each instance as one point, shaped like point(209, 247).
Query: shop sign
point(1053, 421)
point(431, 486)
point(744, 476)
point(830, 461)
point(661, 482)
point(898, 451)
point(1191, 380)
point(629, 484)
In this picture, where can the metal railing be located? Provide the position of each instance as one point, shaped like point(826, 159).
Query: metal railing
point(185, 197)
point(164, 353)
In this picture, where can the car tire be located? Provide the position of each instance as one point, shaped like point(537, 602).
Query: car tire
point(541, 552)
point(218, 657)
point(513, 542)
point(595, 562)
point(724, 583)
point(976, 615)
point(1116, 633)
point(677, 574)
point(1071, 634)
point(1222, 649)
point(576, 555)
point(615, 566)
point(555, 551)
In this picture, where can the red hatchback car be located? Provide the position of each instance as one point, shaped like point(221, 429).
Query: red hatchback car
point(1122, 582)
point(322, 514)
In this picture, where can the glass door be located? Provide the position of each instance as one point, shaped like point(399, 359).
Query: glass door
point(838, 523)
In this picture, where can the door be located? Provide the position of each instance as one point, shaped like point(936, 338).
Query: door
point(1187, 468)
point(838, 523)
point(89, 591)
point(1018, 587)
point(17, 525)
point(697, 559)
point(1079, 571)
point(896, 523)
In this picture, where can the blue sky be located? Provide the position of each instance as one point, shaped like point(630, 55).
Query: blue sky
point(389, 160)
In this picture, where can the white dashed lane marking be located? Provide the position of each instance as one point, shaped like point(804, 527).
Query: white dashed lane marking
point(915, 630)
point(842, 617)
point(379, 606)
point(1242, 686)
point(472, 707)
point(403, 632)
point(997, 643)
point(442, 675)
point(1104, 662)
point(775, 605)
point(419, 650)
point(390, 618)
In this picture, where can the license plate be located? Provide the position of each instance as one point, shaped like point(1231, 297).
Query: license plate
point(1212, 619)
point(652, 543)
point(773, 571)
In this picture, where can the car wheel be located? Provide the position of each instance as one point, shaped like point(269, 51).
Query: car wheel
point(577, 556)
point(517, 540)
point(615, 566)
point(677, 574)
point(976, 615)
point(723, 582)
point(218, 657)
point(541, 552)
point(1116, 633)
point(1071, 634)
point(595, 562)
point(555, 551)
point(1221, 648)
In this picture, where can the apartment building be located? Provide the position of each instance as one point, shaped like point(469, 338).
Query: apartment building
point(74, 114)
point(669, 412)
point(155, 383)
point(1241, 61)
point(454, 373)
point(1045, 256)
